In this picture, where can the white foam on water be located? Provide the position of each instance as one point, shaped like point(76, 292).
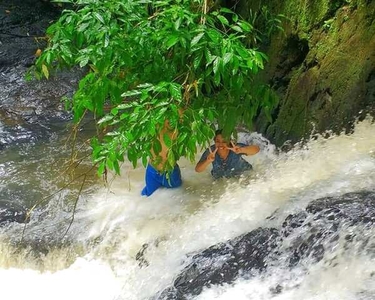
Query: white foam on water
point(85, 279)
point(175, 223)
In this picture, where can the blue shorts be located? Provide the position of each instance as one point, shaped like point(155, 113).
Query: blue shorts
point(155, 179)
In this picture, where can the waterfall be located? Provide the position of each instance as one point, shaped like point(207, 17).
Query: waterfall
point(124, 246)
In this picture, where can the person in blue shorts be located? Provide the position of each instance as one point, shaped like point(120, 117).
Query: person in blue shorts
point(226, 158)
point(156, 176)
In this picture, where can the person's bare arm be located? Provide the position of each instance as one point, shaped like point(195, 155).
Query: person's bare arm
point(250, 150)
point(247, 150)
point(201, 166)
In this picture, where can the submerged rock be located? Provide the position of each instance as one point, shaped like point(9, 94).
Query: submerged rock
point(11, 213)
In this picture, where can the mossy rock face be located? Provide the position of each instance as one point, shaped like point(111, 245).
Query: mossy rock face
point(323, 67)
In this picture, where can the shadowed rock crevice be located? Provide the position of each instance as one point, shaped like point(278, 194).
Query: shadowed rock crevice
point(292, 56)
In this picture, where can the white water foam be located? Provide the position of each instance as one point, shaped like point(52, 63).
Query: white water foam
point(176, 223)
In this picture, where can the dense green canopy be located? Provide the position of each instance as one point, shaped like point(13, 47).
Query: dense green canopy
point(147, 59)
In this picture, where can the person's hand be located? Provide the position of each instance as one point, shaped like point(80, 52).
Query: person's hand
point(236, 149)
point(211, 156)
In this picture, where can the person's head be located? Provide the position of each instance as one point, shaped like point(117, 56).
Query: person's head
point(219, 140)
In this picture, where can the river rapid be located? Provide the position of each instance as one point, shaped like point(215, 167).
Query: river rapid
point(97, 257)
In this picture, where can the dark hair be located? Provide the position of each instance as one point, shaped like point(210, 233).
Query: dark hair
point(217, 132)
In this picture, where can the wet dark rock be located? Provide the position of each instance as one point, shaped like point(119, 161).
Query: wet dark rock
point(223, 263)
point(276, 290)
point(140, 256)
point(321, 223)
point(170, 293)
point(292, 222)
point(358, 206)
point(22, 25)
point(12, 213)
point(29, 110)
point(307, 235)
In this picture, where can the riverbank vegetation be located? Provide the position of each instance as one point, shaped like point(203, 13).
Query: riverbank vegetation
point(147, 60)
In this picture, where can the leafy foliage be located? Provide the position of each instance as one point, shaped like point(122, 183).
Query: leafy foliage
point(265, 24)
point(146, 60)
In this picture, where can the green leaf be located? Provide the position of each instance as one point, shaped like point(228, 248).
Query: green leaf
point(99, 17)
point(177, 24)
point(83, 27)
point(196, 39)
point(131, 93)
point(167, 140)
point(45, 71)
point(145, 86)
point(113, 133)
point(156, 146)
point(217, 79)
point(214, 36)
point(223, 20)
point(227, 58)
point(171, 158)
point(101, 168)
point(237, 28)
point(197, 60)
point(245, 26)
point(226, 10)
point(124, 106)
point(216, 64)
point(106, 40)
point(84, 62)
point(116, 167)
point(105, 119)
point(175, 91)
point(172, 40)
point(110, 164)
point(114, 111)
point(144, 160)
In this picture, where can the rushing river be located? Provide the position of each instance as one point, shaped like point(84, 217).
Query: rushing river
point(96, 257)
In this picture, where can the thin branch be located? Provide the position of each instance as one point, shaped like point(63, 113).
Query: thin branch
point(28, 214)
point(75, 204)
point(204, 8)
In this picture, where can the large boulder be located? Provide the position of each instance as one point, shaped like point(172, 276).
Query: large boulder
point(321, 224)
point(223, 263)
point(322, 66)
point(305, 235)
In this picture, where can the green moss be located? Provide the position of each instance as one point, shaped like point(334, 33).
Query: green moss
point(327, 88)
point(292, 121)
point(305, 14)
